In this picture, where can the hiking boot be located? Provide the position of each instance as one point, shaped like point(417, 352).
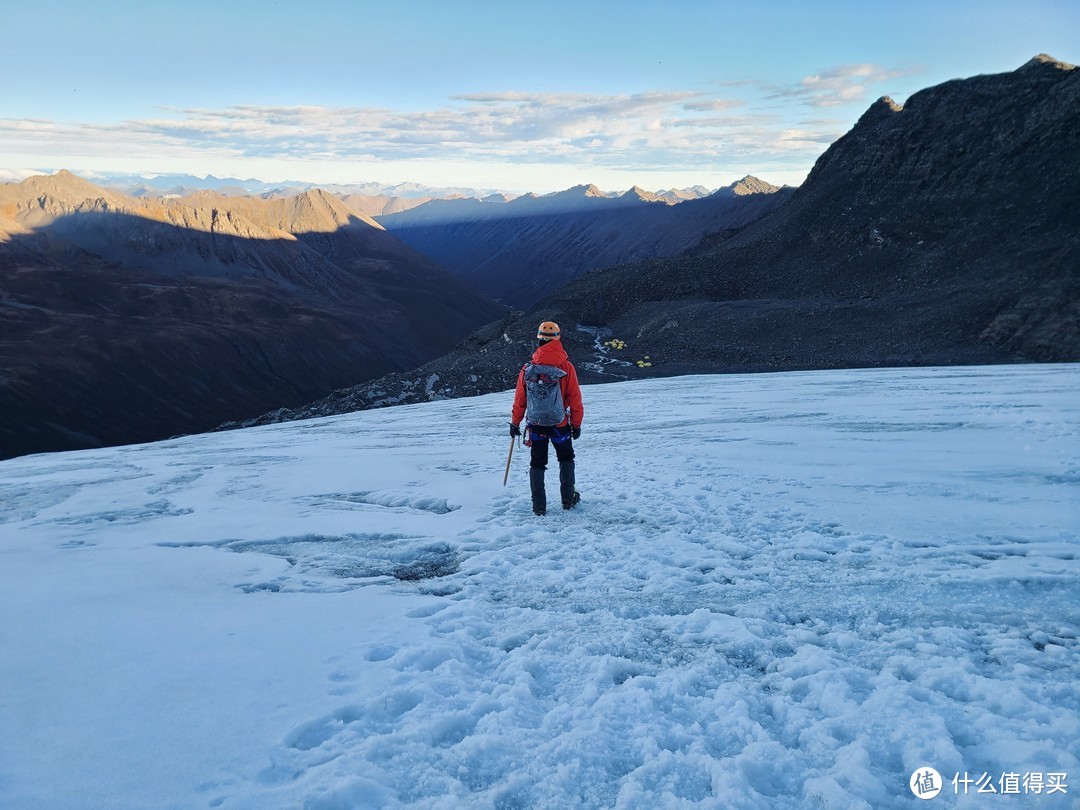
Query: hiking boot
point(573, 501)
point(539, 511)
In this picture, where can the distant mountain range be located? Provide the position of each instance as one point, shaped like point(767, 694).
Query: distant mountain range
point(157, 185)
point(521, 250)
point(371, 198)
point(946, 231)
point(125, 319)
point(184, 184)
point(129, 317)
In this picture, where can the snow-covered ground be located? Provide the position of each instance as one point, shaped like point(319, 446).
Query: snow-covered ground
point(780, 591)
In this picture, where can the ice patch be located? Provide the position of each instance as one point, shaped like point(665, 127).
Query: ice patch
point(319, 562)
point(386, 500)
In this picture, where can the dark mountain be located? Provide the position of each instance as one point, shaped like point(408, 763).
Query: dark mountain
point(125, 320)
point(943, 232)
point(521, 250)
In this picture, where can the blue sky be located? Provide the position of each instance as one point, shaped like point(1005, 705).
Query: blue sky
point(516, 96)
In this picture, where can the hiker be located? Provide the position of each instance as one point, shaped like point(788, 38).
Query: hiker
point(549, 397)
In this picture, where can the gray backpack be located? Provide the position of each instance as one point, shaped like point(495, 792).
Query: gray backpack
point(544, 405)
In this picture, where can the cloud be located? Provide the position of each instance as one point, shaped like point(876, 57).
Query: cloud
point(844, 84)
point(17, 175)
point(647, 130)
point(831, 87)
point(715, 105)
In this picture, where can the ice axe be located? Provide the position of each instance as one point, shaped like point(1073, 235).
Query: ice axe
point(513, 441)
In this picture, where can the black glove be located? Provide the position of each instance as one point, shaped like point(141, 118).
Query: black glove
point(575, 432)
point(514, 430)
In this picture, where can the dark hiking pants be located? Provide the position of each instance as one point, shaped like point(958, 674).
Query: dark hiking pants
point(564, 452)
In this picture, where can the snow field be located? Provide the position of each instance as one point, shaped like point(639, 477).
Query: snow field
point(779, 591)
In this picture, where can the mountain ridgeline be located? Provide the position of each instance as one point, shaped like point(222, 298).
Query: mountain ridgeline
point(125, 319)
point(946, 231)
point(519, 251)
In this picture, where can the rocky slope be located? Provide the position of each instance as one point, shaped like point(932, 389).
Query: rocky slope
point(520, 251)
point(126, 319)
point(943, 232)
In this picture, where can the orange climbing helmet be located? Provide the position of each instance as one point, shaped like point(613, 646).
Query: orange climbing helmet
point(548, 330)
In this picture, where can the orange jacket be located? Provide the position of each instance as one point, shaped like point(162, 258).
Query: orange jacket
point(552, 354)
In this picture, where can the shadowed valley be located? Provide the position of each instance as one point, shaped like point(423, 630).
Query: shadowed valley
point(124, 320)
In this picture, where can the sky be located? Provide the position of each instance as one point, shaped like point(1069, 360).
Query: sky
point(510, 96)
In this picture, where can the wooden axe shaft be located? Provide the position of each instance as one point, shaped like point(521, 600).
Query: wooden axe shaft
point(513, 440)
